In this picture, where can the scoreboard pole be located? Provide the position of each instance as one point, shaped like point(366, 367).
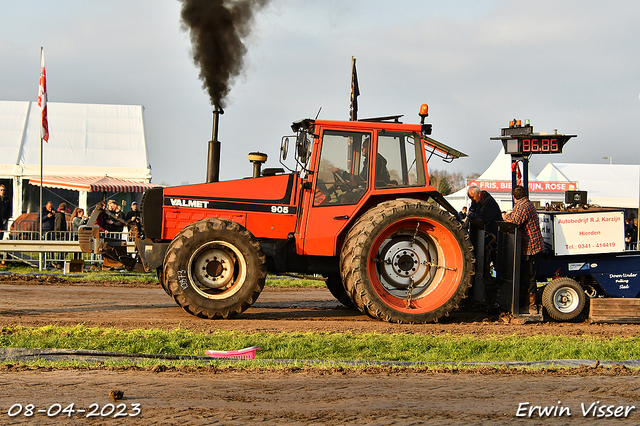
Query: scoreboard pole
point(525, 174)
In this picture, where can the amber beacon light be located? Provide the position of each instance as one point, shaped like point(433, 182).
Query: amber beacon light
point(424, 112)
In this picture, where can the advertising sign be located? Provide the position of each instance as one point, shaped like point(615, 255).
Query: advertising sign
point(584, 233)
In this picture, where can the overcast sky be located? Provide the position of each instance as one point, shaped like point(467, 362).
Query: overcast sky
point(566, 65)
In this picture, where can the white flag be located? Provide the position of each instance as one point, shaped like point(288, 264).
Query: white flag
point(42, 99)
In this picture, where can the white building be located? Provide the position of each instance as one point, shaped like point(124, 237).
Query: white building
point(87, 142)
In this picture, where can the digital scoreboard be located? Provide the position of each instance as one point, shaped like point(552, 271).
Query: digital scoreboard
point(520, 140)
point(535, 144)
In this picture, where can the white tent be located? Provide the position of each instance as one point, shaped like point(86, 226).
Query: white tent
point(494, 180)
point(86, 140)
point(607, 185)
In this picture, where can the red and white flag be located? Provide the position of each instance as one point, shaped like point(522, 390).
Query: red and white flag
point(42, 99)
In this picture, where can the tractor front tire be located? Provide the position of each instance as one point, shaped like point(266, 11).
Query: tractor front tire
point(214, 268)
point(563, 298)
point(335, 286)
point(407, 261)
point(160, 274)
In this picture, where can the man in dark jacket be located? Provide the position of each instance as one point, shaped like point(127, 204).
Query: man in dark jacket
point(133, 214)
point(60, 222)
point(60, 228)
point(48, 219)
point(114, 217)
point(5, 209)
point(462, 215)
point(483, 207)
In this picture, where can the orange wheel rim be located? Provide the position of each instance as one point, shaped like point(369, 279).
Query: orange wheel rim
point(416, 256)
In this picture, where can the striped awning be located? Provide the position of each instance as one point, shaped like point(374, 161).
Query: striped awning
point(92, 183)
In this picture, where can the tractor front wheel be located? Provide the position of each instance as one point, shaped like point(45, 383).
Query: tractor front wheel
point(335, 286)
point(214, 268)
point(407, 261)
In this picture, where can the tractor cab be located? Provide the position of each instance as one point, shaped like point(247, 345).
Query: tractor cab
point(348, 166)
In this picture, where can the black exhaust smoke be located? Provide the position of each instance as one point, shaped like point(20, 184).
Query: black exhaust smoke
point(217, 29)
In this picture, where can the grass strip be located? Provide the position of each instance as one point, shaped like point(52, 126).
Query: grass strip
point(326, 346)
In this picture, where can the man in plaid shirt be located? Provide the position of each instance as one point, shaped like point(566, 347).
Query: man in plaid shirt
point(524, 215)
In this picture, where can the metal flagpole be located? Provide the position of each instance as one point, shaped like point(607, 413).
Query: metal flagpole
point(40, 215)
point(42, 102)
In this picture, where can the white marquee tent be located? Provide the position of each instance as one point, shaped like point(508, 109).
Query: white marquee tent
point(498, 173)
point(607, 185)
point(86, 141)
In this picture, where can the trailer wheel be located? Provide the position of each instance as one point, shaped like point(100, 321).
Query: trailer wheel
point(335, 286)
point(563, 298)
point(214, 268)
point(406, 261)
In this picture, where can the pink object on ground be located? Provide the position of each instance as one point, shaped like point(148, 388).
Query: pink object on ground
point(246, 353)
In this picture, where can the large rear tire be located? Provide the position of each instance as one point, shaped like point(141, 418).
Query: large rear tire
point(563, 298)
point(214, 268)
point(407, 261)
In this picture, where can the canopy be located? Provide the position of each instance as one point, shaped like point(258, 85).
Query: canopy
point(607, 185)
point(93, 183)
point(85, 140)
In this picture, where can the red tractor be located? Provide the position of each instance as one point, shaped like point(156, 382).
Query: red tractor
point(357, 208)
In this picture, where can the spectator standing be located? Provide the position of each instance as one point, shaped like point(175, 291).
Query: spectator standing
point(630, 233)
point(48, 219)
point(462, 215)
point(114, 218)
point(634, 234)
point(77, 219)
point(525, 215)
point(60, 228)
point(133, 214)
point(119, 223)
point(60, 222)
point(5, 209)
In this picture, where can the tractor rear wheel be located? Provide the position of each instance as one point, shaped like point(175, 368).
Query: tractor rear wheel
point(563, 298)
point(214, 268)
point(407, 261)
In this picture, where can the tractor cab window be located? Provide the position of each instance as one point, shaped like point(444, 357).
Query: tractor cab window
point(343, 170)
point(399, 161)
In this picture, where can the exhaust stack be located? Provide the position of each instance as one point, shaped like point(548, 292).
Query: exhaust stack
point(213, 159)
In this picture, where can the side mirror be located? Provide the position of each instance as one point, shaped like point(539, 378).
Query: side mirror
point(302, 146)
point(284, 148)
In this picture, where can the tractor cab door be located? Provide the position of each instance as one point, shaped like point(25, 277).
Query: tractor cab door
point(338, 187)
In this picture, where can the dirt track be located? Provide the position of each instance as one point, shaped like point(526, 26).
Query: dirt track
point(214, 396)
point(33, 301)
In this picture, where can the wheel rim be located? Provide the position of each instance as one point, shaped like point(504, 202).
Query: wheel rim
point(217, 270)
point(399, 261)
point(566, 300)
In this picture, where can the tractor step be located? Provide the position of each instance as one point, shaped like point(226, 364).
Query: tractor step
point(530, 317)
point(610, 310)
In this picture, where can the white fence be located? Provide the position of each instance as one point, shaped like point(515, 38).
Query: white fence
point(23, 245)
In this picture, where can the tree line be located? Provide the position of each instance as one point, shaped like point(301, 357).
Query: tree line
point(447, 183)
